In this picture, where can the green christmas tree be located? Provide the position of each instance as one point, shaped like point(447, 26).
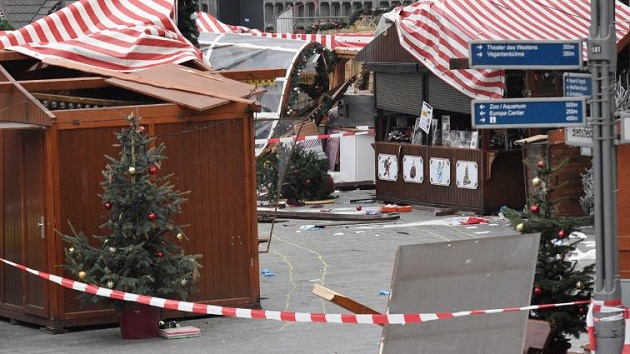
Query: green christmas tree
point(141, 254)
point(305, 176)
point(186, 16)
point(557, 279)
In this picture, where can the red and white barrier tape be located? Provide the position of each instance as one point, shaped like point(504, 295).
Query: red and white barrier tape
point(613, 310)
point(285, 316)
point(312, 137)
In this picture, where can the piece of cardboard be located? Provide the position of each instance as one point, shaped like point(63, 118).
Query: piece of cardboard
point(463, 275)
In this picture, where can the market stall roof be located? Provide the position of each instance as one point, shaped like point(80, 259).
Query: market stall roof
point(346, 41)
point(434, 31)
point(118, 35)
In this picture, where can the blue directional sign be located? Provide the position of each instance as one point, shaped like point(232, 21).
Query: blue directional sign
point(577, 84)
point(529, 112)
point(522, 54)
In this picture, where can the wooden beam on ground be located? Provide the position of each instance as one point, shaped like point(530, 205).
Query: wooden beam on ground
point(307, 215)
point(343, 301)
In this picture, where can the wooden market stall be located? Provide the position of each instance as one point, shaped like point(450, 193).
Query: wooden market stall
point(420, 65)
point(456, 167)
point(57, 123)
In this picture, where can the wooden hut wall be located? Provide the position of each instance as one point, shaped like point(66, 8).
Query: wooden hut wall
point(410, 192)
point(207, 160)
point(211, 154)
point(495, 174)
point(385, 49)
point(80, 166)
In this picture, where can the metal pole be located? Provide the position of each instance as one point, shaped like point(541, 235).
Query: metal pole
point(609, 326)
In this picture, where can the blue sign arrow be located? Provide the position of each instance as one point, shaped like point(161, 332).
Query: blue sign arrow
point(529, 112)
point(521, 54)
point(576, 84)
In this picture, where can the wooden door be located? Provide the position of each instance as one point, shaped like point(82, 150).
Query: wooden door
point(22, 209)
point(35, 256)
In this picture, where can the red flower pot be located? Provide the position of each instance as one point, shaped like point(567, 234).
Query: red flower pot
point(138, 321)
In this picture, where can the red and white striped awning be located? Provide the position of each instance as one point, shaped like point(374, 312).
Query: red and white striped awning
point(350, 41)
point(209, 23)
point(434, 31)
point(122, 35)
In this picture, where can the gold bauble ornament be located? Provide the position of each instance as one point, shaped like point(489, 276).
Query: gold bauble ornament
point(180, 236)
point(82, 275)
point(132, 170)
point(520, 227)
point(579, 285)
point(536, 181)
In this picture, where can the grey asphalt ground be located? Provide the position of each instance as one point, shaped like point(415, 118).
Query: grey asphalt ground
point(356, 261)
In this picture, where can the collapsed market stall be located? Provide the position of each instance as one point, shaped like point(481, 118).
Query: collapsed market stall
point(64, 98)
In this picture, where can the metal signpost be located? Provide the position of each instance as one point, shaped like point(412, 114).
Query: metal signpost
point(602, 55)
point(529, 112)
point(526, 54)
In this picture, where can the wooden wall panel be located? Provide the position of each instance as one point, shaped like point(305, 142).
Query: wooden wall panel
point(385, 48)
point(208, 158)
point(499, 174)
point(81, 160)
point(12, 278)
point(427, 193)
point(387, 190)
point(623, 205)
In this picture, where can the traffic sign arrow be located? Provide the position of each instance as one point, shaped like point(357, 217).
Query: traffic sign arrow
point(529, 112)
point(526, 54)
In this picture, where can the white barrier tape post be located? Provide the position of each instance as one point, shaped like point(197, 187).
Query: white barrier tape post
point(288, 316)
point(615, 314)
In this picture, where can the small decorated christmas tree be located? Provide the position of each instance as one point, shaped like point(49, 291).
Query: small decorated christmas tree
point(557, 279)
point(141, 254)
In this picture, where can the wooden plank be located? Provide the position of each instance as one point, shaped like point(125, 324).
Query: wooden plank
point(6, 55)
point(343, 301)
point(187, 99)
point(143, 80)
point(75, 83)
point(258, 74)
point(165, 113)
point(282, 214)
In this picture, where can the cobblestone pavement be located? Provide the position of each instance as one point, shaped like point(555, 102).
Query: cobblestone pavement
point(355, 260)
